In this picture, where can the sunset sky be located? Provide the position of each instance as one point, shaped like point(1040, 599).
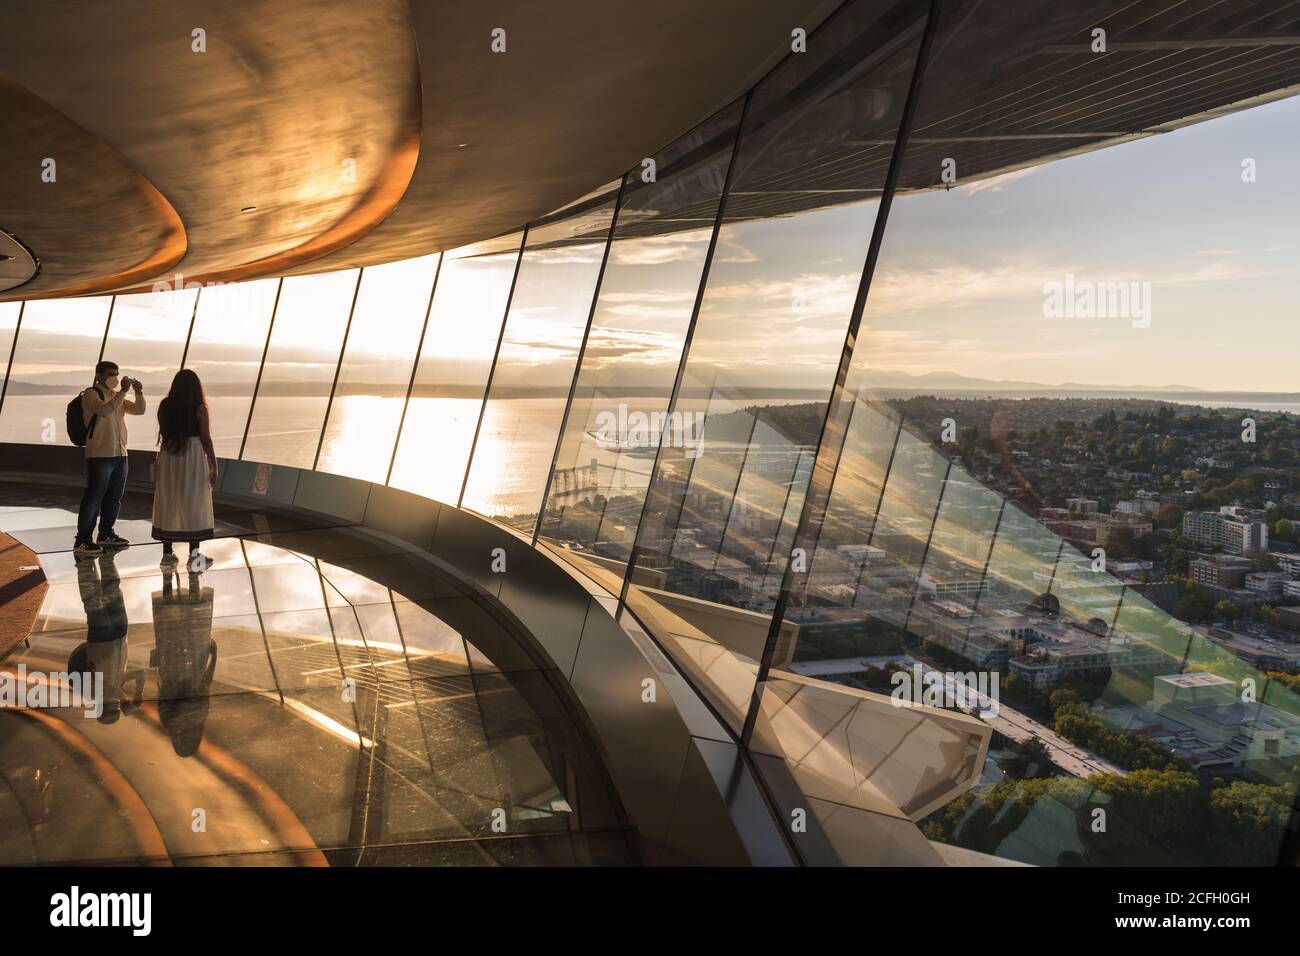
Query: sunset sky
point(959, 288)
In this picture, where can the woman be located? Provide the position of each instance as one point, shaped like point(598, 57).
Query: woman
point(185, 470)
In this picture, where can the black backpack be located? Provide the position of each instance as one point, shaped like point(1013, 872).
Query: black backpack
point(77, 430)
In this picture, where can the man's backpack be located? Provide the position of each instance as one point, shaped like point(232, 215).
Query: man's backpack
point(77, 430)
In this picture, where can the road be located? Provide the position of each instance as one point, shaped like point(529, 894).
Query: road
point(1073, 759)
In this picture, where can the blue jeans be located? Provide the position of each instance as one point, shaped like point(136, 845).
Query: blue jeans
point(105, 482)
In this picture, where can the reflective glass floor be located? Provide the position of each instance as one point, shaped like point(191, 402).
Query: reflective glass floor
point(314, 696)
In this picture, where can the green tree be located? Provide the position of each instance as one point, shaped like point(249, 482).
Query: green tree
point(1246, 824)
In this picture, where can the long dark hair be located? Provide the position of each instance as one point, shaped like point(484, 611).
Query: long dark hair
point(178, 413)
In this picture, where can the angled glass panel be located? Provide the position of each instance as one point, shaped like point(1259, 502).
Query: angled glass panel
point(1022, 562)
point(9, 312)
point(909, 505)
point(1046, 319)
point(469, 306)
point(1085, 589)
point(538, 359)
point(53, 359)
point(765, 508)
point(306, 338)
point(376, 368)
point(842, 560)
point(146, 339)
point(958, 554)
point(810, 167)
point(230, 328)
point(621, 398)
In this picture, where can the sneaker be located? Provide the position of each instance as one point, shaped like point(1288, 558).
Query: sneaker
point(112, 540)
point(198, 562)
point(85, 549)
point(169, 561)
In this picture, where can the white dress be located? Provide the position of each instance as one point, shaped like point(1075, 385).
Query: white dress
point(182, 496)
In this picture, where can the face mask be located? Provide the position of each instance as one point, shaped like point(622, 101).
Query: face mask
point(111, 382)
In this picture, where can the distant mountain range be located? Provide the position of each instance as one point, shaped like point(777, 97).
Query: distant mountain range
point(895, 378)
point(883, 380)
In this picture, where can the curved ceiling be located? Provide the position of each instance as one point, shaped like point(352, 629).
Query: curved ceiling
point(290, 110)
point(16, 264)
point(309, 135)
point(277, 138)
point(63, 188)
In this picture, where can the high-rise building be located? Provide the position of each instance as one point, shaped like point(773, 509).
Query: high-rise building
point(1236, 535)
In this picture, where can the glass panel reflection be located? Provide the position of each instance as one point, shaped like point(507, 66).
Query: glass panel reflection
point(537, 360)
point(264, 693)
point(469, 307)
point(1049, 558)
point(376, 368)
point(647, 297)
point(146, 338)
point(288, 414)
point(713, 545)
point(225, 351)
point(9, 312)
point(53, 359)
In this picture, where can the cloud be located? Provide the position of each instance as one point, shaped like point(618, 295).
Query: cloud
point(734, 253)
point(995, 184)
point(953, 285)
point(657, 250)
point(949, 285)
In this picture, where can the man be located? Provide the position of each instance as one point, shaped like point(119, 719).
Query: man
point(104, 409)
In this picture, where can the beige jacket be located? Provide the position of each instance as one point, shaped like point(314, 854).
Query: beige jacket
point(108, 440)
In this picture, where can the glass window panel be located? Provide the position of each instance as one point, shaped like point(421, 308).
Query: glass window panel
point(53, 359)
point(306, 338)
point(908, 507)
point(9, 312)
point(146, 338)
point(1068, 435)
point(647, 296)
point(946, 607)
point(842, 560)
point(376, 369)
point(225, 351)
point(963, 534)
point(1022, 562)
point(1085, 589)
point(877, 576)
point(1156, 638)
point(469, 306)
point(1267, 759)
point(810, 166)
point(537, 361)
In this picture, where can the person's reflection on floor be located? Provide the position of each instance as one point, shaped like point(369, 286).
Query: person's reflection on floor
point(186, 657)
point(105, 649)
